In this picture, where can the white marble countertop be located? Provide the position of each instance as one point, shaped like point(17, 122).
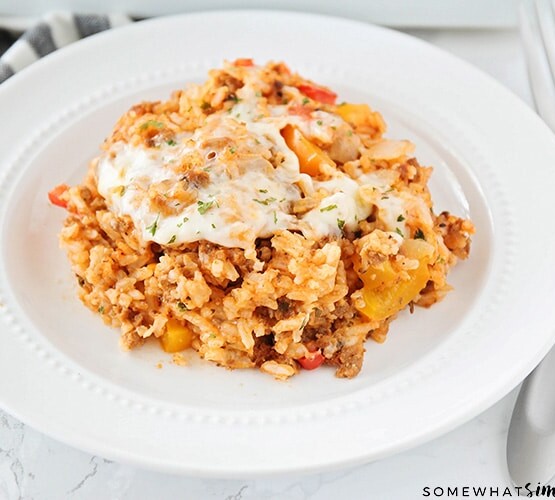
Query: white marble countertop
point(33, 466)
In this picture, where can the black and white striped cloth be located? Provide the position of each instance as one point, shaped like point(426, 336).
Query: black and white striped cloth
point(20, 48)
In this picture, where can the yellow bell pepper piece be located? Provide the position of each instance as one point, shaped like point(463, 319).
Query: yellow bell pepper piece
point(177, 336)
point(386, 293)
point(356, 114)
point(311, 157)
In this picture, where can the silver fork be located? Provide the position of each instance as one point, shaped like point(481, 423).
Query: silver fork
point(537, 29)
point(531, 438)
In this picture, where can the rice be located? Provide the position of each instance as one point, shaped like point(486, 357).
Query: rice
point(277, 301)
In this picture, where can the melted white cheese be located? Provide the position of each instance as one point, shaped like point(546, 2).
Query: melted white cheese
point(231, 212)
point(250, 199)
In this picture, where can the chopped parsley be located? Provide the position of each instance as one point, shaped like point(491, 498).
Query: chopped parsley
point(234, 98)
point(204, 206)
point(399, 232)
point(213, 225)
point(172, 239)
point(171, 142)
point(154, 226)
point(401, 218)
point(232, 150)
point(340, 224)
point(275, 217)
point(258, 93)
point(262, 190)
point(328, 208)
point(419, 234)
point(320, 122)
point(151, 123)
point(182, 307)
point(185, 219)
point(349, 133)
point(266, 202)
point(101, 309)
point(306, 100)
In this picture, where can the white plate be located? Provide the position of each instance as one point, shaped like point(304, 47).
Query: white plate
point(61, 369)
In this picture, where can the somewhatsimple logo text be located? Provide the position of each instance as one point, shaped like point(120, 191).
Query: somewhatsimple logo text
point(528, 490)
